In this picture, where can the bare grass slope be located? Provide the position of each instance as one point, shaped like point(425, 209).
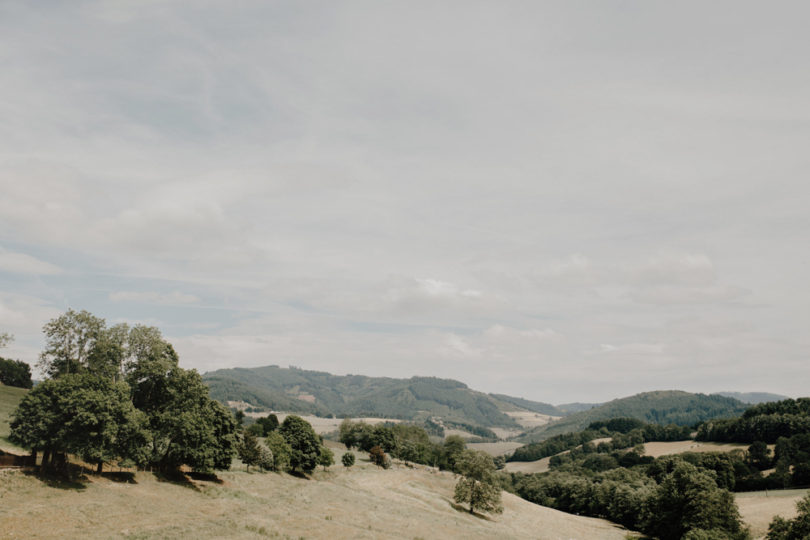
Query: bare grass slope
point(361, 502)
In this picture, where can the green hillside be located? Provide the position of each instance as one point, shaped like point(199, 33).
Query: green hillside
point(316, 392)
point(534, 406)
point(660, 407)
point(10, 396)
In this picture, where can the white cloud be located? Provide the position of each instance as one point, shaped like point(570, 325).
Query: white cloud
point(22, 263)
point(535, 193)
point(151, 297)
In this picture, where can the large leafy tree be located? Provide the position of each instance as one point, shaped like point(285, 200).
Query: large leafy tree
point(185, 425)
point(476, 486)
point(81, 414)
point(304, 443)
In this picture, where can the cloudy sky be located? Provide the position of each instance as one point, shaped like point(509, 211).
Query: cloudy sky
point(565, 201)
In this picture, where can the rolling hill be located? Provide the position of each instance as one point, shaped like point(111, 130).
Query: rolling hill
point(316, 392)
point(660, 407)
point(363, 502)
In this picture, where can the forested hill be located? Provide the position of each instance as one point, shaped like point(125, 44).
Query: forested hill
point(660, 407)
point(417, 398)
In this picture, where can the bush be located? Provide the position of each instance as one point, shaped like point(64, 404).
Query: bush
point(379, 457)
point(347, 459)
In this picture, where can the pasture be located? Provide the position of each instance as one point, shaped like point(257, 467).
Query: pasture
point(361, 502)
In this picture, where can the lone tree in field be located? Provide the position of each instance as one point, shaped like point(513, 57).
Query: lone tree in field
point(347, 459)
point(476, 485)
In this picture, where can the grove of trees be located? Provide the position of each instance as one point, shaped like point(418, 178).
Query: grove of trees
point(118, 394)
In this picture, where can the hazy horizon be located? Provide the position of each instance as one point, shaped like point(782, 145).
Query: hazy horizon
point(562, 202)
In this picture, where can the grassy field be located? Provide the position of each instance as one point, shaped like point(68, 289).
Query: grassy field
point(9, 398)
point(758, 508)
point(361, 502)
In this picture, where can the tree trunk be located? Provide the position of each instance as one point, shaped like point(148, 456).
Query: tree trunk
point(100, 467)
point(46, 458)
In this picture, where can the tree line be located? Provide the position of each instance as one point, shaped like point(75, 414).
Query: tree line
point(626, 432)
point(13, 372)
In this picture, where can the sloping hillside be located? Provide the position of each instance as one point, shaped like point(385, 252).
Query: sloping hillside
point(316, 392)
point(361, 502)
point(533, 406)
point(660, 407)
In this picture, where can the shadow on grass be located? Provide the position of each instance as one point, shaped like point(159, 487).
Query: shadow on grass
point(459, 508)
point(299, 474)
point(71, 479)
point(177, 478)
point(206, 477)
point(122, 477)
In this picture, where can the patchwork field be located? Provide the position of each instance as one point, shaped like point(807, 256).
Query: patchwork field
point(528, 419)
point(361, 502)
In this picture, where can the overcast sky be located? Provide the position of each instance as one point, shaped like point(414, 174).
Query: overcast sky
point(565, 201)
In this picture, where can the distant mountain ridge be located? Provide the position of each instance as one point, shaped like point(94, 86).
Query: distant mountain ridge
point(420, 398)
point(753, 398)
point(659, 407)
point(316, 392)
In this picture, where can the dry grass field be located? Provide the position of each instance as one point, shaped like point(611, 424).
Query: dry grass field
point(658, 449)
point(361, 502)
point(758, 508)
point(495, 448)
